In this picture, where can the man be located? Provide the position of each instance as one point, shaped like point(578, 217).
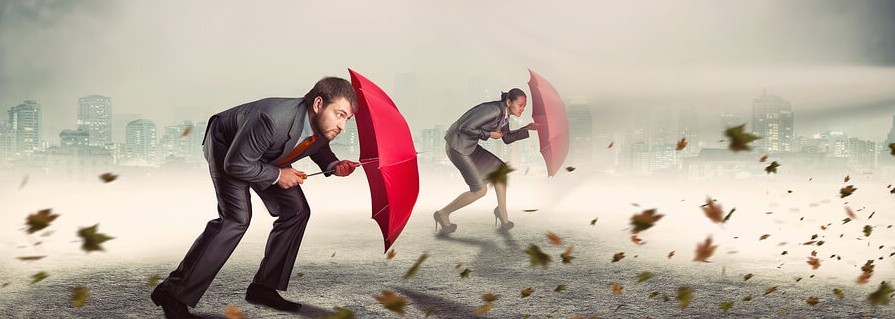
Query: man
point(253, 146)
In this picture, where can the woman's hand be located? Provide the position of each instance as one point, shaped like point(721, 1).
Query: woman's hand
point(532, 126)
point(496, 134)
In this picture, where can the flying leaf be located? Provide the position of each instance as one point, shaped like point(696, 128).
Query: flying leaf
point(390, 255)
point(617, 288)
point(153, 280)
point(846, 191)
point(892, 148)
point(644, 276)
point(92, 239)
point(341, 313)
point(333, 255)
point(610, 144)
point(527, 292)
point(554, 239)
point(38, 277)
point(684, 294)
point(839, 294)
point(233, 312)
point(763, 237)
point(812, 300)
point(465, 273)
point(726, 218)
point(499, 176)
point(770, 290)
point(763, 159)
point(739, 140)
point(392, 301)
point(882, 295)
point(866, 272)
point(567, 255)
point(416, 266)
point(712, 211)
point(570, 168)
point(814, 262)
point(846, 220)
point(30, 258)
point(747, 277)
point(644, 220)
point(747, 298)
point(79, 296)
point(867, 230)
point(559, 288)
point(705, 250)
point(850, 213)
point(529, 210)
point(617, 257)
point(726, 306)
point(39, 220)
point(772, 168)
point(593, 222)
point(636, 240)
point(490, 297)
point(847, 178)
point(681, 144)
point(186, 131)
point(536, 256)
point(24, 182)
point(483, 309)
point(107, 177)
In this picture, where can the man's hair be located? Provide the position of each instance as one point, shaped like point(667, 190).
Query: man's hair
point(330, 89)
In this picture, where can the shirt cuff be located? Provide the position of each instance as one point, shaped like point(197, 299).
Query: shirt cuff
point(330, 166)
point(278, 177)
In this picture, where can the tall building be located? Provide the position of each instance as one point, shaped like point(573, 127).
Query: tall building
point(140, 142)
point(861, 153)
point(772, 120)
point(173, 143)
point(891, 138)
point(74, 138)
point(95, 118)
point(25, 120)
point(7, 141)
point(581, 129)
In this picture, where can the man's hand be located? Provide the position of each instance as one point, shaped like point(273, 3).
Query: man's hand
point(290, 177)
point(496, 134)
point(344, 168)
point(532, 126)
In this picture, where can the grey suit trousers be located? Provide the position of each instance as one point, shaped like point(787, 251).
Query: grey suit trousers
point(211, 250)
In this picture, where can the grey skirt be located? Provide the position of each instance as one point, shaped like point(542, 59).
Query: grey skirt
point(475, 166)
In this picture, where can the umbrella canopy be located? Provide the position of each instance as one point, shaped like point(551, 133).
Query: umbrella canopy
point(549, 112)
point(394, 177)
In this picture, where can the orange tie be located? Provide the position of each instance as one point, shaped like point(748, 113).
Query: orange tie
point(300, 148)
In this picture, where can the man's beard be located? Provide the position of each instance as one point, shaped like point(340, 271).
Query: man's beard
point(318, 127)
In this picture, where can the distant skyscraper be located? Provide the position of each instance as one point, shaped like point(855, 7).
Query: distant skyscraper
point(581, 129)
point(7, 140)
point(25, 120)
point(95, 117)
point(772, 120)
point(891, 138)
point(140, 141)
point(74, 138)
point(172, 143)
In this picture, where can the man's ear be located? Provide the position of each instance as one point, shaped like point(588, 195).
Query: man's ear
point(317, 105)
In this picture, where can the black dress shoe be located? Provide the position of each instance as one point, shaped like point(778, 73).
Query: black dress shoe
point(173, 308)
point(263, 296)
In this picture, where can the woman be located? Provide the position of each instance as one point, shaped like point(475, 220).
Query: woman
point(484, 121)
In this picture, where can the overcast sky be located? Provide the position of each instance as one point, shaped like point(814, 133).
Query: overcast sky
point(174, 60)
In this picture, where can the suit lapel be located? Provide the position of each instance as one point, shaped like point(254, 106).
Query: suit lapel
point(294, 131)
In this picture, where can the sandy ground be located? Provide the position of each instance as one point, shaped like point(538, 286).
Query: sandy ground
point(155, 219)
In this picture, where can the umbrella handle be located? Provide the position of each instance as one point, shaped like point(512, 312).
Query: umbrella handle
point(369, 161)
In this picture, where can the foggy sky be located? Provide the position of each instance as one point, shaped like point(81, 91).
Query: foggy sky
point(175, 60)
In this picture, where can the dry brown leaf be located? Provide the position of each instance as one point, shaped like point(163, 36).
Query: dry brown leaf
point(392, 301)
point(390, 254)
point(712, 211)
point(554, 239)
point(636, 240)
point(617, 288)
point(644, 220)
point(233, 312)
point(681, 144)
point(705, 250)
point(814, 262)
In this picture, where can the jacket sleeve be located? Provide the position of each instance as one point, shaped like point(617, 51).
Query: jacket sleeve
point(472, 125)
point(243, 159)
point(512, 136)
point(324, 158)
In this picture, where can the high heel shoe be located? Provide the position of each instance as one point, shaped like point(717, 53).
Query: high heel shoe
point(503, 226)
point(445, 229)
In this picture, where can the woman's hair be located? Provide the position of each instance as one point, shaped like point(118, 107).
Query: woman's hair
point(330, 89)
point(512, 95)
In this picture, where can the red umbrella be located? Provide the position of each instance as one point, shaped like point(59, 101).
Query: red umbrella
point(385, 135)
point(549, 112)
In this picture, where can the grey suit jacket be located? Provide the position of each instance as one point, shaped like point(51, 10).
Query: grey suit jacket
point(258, 134)
point(477, 124)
